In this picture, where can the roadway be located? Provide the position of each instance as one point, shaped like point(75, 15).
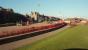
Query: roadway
point(19, 43)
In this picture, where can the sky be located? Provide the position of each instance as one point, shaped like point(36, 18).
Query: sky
point(57, 8)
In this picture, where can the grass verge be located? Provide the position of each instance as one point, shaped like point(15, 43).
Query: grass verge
point(75, 37)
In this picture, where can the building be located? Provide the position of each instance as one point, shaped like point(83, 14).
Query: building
point(75, 20)
point(35, 16)
point(38, 17)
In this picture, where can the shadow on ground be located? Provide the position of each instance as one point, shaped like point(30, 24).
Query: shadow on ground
point(76, 49)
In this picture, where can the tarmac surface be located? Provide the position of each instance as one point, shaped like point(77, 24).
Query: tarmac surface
point(19, 43)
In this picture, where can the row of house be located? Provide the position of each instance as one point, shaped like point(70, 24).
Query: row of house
point(8, 15)
point(36, 17)
point(76, 21)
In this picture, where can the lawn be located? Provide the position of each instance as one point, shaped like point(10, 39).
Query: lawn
point(75, 37)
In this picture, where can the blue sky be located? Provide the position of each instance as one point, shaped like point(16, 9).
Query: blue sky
point(66, 8)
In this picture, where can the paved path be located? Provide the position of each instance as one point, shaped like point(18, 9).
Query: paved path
point(8, 31)
point(16, 44)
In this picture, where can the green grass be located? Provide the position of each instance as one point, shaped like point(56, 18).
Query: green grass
point(75, 37)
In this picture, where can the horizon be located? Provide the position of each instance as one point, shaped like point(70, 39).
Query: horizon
point(57, 8)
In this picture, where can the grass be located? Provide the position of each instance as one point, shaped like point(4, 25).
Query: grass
point(76, 37)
